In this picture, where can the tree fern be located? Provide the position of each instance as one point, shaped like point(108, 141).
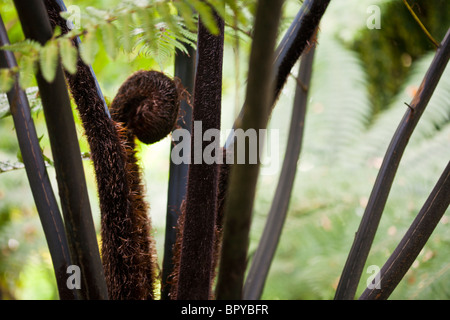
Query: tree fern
point(330, 195)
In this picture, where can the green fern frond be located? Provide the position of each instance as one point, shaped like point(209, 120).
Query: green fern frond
point(156, 27)
point(26, 46)
point(206, 13)
point(186, 12)
point(339, 107)
point(29, 52)
point(110, 41)
point(89, 48)
point(125, 26)
point(27, 69)
point(48, 60)
point(68, 54)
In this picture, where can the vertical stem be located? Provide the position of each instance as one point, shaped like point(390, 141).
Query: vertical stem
point(178, 173)
point(66, 155)
point(267, 246)
point(40, 185)
point(243, 177)
point(197, 246)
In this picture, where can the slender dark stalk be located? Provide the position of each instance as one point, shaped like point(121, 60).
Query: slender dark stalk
point(44, 197)
point(197, 247)
point(413, 241)
point(366, 232)
point(243, 177)
point(291, 47)
point(66, 154)
point(296, 39)
point(178, 173)
point(269, 240)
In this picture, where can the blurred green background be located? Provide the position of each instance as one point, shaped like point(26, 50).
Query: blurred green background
point(361, 79)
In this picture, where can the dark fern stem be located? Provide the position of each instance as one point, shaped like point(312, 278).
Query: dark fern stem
point(127, 246)
point(193, 272)
point(43, 194)
point(296, 40)
point(223, 171)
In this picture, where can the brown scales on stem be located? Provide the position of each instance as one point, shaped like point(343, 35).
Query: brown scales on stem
point(193, 272)
point(147, 106)
point(223, 171)
point(127, 246)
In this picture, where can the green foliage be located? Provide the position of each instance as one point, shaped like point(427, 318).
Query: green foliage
point(155, 28)
point(29, 52)
point(89, 48)
point(68, 55)
point(48, 60)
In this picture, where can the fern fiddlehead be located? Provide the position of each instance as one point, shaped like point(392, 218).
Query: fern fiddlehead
point(127, 246)
point(146, 106)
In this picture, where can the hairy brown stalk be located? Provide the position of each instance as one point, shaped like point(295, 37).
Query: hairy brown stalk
point(127, 245)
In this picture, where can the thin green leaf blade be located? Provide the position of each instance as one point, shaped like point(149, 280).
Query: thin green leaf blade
point(48, 60)
point(89, 48)
point(187, 14)
point(69, 55)
point(125, 22)
point(28, 66)
point(207, 16)
point(109, 32)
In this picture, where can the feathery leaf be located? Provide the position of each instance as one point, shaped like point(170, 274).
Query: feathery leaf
point(48, 60)
point(68, 54)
